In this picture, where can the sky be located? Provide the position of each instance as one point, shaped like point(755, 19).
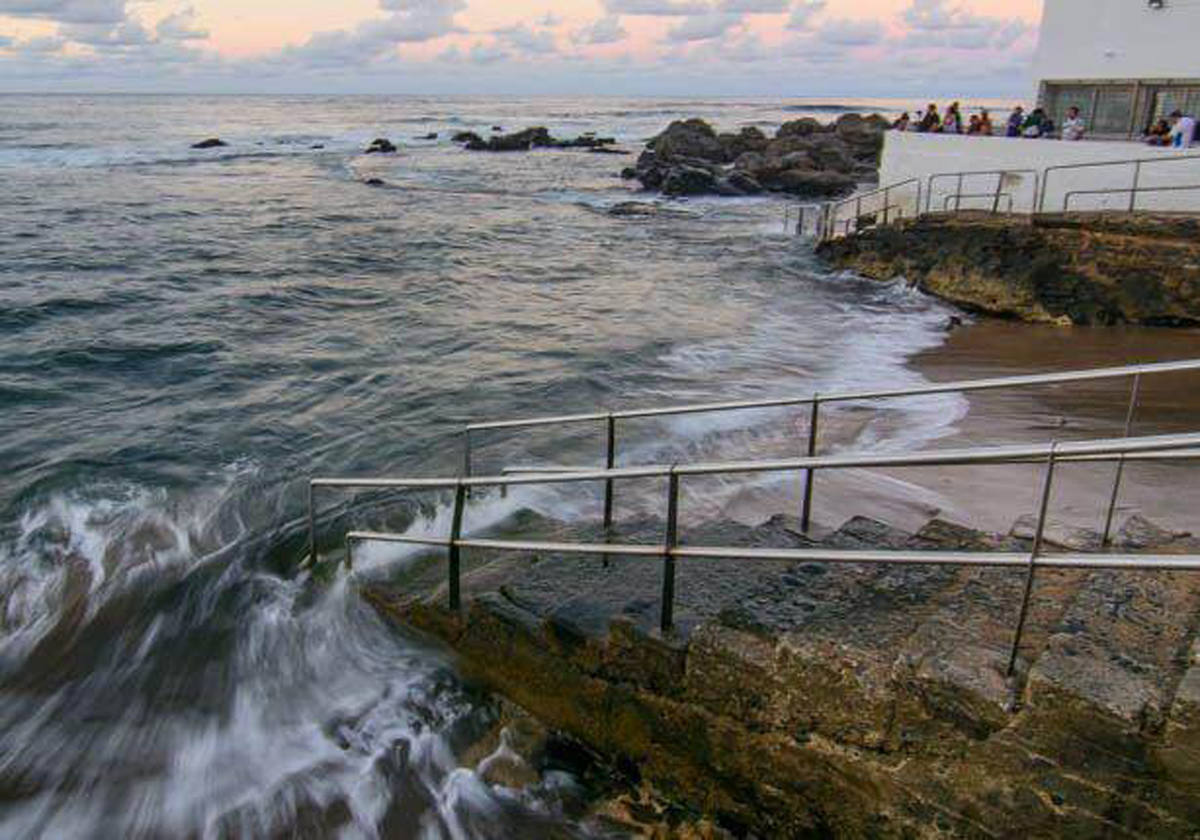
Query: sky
point(861, 48)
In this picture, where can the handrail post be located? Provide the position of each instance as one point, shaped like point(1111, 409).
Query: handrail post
point(999, 187)
point(667, 618)
point(958, 194)
point(610, 460)
point(460, 500)
point(1116, 488)
point(810, 474)
point(349, 554)
point(1033, 557)
point(1137, 177)
point(887, 192)
point(312, 526)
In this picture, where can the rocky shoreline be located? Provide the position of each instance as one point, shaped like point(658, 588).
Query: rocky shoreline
point(805, 699)
point(1084, 269)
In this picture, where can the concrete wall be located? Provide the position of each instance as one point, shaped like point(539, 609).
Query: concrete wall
point(1118, 39)
point(908, 155)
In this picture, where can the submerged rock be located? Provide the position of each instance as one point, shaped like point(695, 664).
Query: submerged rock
point(433, 135)
point(537, 137)
point(381, 145)
point(210, 143)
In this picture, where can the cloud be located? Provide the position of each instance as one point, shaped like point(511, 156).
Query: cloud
point(67, 11)
point(934, 24)
point(5, 41)
point(659, 8)
point(550, 20)
point(181, 26)
point(803, 14)
point(526, 40)
point(606, 30)
point(487, 54)
point(754, 7)
point(703, 27)
point(129, 33)
point(851, 33)
point(411, 22)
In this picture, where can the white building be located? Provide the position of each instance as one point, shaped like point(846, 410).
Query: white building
point(1123, 63)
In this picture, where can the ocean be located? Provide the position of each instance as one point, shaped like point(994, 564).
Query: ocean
point(186, 337)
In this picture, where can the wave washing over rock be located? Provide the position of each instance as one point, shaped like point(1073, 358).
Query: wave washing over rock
point(189, 334)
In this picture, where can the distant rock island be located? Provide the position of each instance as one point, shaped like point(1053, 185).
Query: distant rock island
point(805, 157)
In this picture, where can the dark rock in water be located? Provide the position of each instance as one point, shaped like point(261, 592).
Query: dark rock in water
point(804, 127)
point(497, 128)
point(317, 146)
point(745, 183)
point(688, 138)
point(629, 173)
point(633, 208)
point(210, 143)
point(381, 145)
point(375, 182)
point(804, 158)
point(537, 137)
point(605, 150)
point(689, 180)
point(433, 135)
point(810, 182)
point(747, 140)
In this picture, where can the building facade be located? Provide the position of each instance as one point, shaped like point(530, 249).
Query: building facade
point(1123, 63)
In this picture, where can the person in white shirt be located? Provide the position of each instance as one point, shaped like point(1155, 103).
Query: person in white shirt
point(1073, 127)
point(1183, 130)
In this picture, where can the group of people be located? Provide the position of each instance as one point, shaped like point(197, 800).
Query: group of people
point(1034, 124)
point(1177, 130)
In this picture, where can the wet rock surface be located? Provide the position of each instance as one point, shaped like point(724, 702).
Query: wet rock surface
point(796, 699)
point(380, 145)
point(537, 137)
point(1076, 269)
point(804, 158)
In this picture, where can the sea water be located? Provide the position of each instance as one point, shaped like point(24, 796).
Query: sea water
point(187, 336)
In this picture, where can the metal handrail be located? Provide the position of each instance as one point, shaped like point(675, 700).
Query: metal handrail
point(815, 402)
point(670, 550)
point(958, 197)
point(961, 176)
point(964, 385)
point(1134, 192)
point(1099, 449)
point(857, 200)
point(1135, 162)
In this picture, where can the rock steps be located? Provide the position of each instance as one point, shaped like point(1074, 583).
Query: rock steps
point(851, 685)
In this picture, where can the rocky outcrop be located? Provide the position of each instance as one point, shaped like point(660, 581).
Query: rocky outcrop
point(537, 137)
point(381, 145)
point(804, 158)
point(1069, 269)
point(210, 143)
point(810, 699)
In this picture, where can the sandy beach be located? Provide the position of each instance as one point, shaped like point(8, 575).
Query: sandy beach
point(994, 496)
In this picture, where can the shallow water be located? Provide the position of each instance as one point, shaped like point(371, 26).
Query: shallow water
point(186, 337)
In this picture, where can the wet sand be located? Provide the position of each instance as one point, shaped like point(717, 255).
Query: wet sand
point(993, 496)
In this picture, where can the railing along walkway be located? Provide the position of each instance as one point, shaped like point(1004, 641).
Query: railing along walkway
point(816, 401)
point(876, 207)
point(1053, 454)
